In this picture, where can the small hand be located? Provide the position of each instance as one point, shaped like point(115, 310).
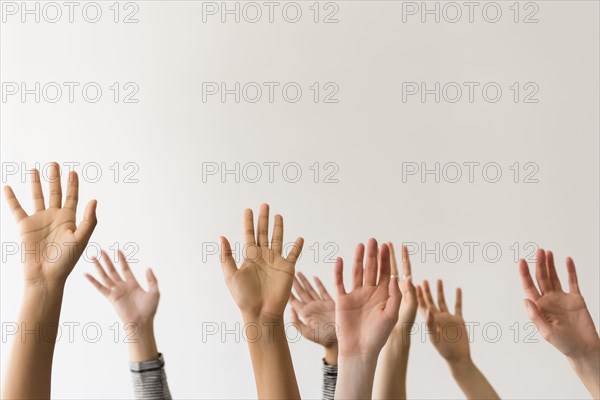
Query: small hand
point(562, 318)
point(50, 238)
point(263, 283)
point(317, 312)
point(132, 303)
point(408, 307)
point(447, 332)
point(366, 315)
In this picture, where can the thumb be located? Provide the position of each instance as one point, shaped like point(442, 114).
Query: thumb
point(152, 281)
point(536, 316)
point(84, 231)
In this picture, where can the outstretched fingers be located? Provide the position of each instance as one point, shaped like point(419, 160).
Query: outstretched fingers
point(541, 272)
point(263, 226)
point(14, 204)
point(125, 268)
point(554, 280)
point(441, 297)
point(322, 290)
point(227, 262)
point(339, 277)
point(55, 187)
point(308, 287)
point(573, 283)
point(295, 251)
point(84, 231)
point(371, 263)
point(36, 190)
point(101, 288)
point(358, 267)
point(527, 282)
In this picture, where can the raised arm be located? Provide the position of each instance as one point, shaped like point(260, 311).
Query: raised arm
point(314, 315)
point(136, 307)
point(448, 334)
point(52, 243)
point(261, 287)
point(563, 318)
point(394, 358)
point(365, 318)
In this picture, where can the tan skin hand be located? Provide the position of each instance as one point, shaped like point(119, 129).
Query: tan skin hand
point(132, 303)
point(562, 317)
point(314, 313)
point(51, 238)
point(262, 284)
point(447, 332)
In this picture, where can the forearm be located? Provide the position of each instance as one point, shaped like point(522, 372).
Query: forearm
point(471, 381)
point(355, 377)
point(587, 368)
point(271, 358)
point(141, 342)
point(391, 382)
point(29, 369)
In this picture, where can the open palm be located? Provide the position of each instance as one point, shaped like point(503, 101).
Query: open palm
point(314, 313)
point(51, 241)
point(366, 315)
point(446, 331)
point(262, 284)
point(562, 318)
point(132, 303)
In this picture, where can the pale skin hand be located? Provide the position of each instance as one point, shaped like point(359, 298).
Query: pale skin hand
point(58, 244)
point(135, 306)
point(314, 315)
point(392, 378)
point(261, 287)
point(365, 317)
point(448, 333)
point(563, 318)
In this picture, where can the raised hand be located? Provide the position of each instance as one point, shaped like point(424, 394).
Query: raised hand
point(446, 331)
point(314, 315)
point(132, 303)
point(365, 318)
point(562, 317)
point(52, 244)
point(263, 283)
point(50, 238)
point(261, 287)
point(135, 306)
point(448, 334)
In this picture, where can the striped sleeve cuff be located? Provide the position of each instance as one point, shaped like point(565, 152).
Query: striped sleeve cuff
point(149, 379)
point(329, 380)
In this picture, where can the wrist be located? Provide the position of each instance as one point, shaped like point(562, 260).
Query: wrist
point(141, 342)
point(461, 367)
point(331, 354)
point(588, 361)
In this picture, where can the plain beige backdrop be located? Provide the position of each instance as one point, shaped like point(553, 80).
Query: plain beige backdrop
point(172, 216)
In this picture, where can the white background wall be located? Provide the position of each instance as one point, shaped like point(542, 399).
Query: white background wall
point(171, 216)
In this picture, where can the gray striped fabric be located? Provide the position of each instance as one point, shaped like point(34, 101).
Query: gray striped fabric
point(150, 380)
point(329, 380)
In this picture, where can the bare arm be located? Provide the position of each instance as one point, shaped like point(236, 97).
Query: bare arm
point(58, 244)
point(455, 349)
point(394, 358)
point(261, 287)
point(563, 318)
point(365, 318)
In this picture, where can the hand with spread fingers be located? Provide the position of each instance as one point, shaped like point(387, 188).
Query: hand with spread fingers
point(448, 334)
point(392, 375)
point(365, 317)
point(562, 317)
point(261, 287)
point(50, 235)
point(132, 303)
point(314, 315)
point(52, 244)
point(263, 283)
